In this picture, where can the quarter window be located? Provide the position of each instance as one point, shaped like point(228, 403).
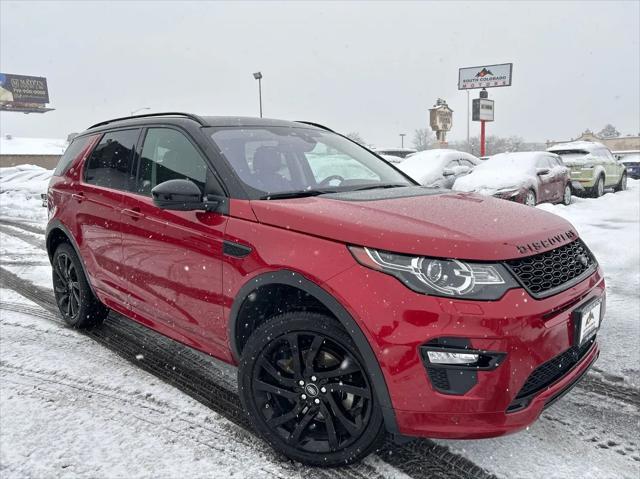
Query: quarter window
point(169, 155)
point(77, 146)
point(110, 162)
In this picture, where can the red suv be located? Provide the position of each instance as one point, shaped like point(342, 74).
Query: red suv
point(354, 301)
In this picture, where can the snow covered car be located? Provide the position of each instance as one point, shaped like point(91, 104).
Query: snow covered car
point(399, 152)
point(391, 158)
point(593, 167)
point(530, 178)
point(631, 161)
point(439, 168)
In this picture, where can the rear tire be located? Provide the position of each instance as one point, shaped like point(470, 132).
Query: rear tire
point(76, 302)
point(622, 184)
point(598, 189)
point(307, 392)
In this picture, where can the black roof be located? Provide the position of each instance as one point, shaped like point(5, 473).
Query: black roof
point(205, 120)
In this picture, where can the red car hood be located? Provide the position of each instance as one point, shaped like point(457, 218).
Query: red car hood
point(448, 225)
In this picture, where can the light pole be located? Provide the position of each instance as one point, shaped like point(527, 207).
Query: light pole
point(402, 135)
point(258, 76)
point(139, 109)
point(468, 143)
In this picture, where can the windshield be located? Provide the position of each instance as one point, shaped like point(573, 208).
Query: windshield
point(275, 160)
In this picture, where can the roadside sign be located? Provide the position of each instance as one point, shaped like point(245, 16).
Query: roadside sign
point(485, 76)
point(483, 109)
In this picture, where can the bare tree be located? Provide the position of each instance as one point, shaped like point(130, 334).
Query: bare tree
point(355, 136)
point(423, 138)
point(609, 131)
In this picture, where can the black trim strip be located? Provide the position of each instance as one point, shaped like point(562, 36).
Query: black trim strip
point(236, 250)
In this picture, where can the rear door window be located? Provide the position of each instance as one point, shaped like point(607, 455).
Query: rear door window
point(168, 154)
point(111, 161)
point(77, 146)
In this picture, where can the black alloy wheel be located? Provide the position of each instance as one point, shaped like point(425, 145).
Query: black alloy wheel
point(307, 391)
point(75, 300)
point(66, 286)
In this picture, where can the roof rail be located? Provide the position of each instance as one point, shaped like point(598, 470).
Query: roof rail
point(316, 125)
point(195, 118)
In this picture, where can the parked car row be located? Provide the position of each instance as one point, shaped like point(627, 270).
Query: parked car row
point(526, 177)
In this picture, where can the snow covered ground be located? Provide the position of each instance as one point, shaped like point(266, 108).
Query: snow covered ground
point(92, 405)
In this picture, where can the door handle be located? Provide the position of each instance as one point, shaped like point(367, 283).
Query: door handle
point(134, 214)
point(78, 197)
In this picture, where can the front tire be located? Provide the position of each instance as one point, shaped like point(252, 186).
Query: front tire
point(566, 196)
point(530, 198)
point(76, 302)
point(306, 390)
point(622, 184)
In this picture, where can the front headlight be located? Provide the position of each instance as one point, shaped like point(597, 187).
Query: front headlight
point(439, 277)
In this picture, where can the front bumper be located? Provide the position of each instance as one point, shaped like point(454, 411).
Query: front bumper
point(397, 322)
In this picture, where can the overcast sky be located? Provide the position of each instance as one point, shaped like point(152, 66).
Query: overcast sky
point(374, 68)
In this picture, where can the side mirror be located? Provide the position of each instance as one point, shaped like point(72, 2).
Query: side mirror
point(448, 172)
point(542, 171)
point(180, 195)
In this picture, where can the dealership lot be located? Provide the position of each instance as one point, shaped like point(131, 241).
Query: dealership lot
point(145, 411)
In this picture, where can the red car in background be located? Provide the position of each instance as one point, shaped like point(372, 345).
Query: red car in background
point(354, 301)
point(529, 178)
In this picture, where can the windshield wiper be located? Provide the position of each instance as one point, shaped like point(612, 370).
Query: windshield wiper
point(295, 194)
point(375, 187)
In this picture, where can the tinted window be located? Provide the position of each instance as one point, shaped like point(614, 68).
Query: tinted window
point(169, 155)
point(288, 159)
point(72, 152)
point(110, 162)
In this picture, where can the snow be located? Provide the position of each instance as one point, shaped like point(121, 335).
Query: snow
point(72, 408)
point(20, 190)
point(502, 171)
point(426, 166)
point(588, 146)
point(630, 158)
point(392, 158)
point(31, 146)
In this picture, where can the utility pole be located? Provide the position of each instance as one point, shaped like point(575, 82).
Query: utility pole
point(402, 135)
point(468, 119)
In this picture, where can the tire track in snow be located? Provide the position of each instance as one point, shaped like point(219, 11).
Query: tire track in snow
point(175, 364)
point(26, 237)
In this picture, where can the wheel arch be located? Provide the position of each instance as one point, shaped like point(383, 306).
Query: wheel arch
point(58, 233)
point(296, 280)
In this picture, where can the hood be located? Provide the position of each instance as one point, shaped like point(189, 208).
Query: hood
point(447, 225)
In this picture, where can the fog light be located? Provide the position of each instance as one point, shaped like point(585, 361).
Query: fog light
point(441, 357)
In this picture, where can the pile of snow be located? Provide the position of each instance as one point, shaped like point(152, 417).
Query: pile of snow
point(10, 145)
point(20, 190)
point(426, 167)
point(500, 172)
point(609, 225)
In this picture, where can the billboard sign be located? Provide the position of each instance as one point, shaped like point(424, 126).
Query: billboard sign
point(485, 76)
point(483, 109)
point(23, 89)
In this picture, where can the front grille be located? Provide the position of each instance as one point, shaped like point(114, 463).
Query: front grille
point(545, 273)
point(548, 373)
